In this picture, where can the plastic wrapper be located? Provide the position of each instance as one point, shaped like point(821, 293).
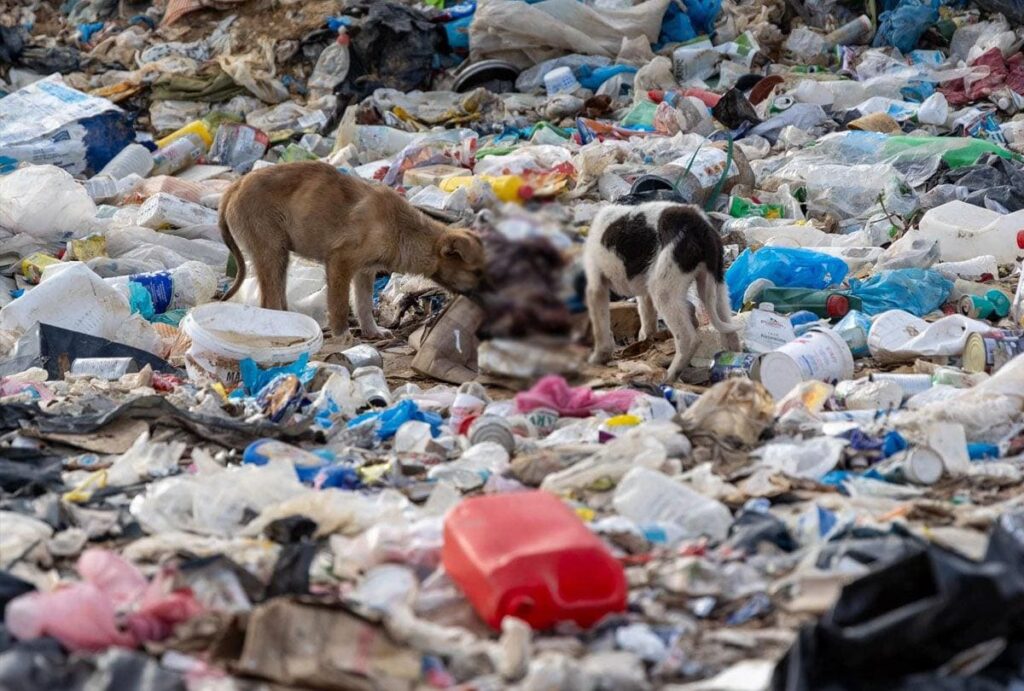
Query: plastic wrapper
point(784, 267)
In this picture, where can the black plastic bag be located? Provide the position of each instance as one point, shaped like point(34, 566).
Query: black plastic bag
point(915, 622)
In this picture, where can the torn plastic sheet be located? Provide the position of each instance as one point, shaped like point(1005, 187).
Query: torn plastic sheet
point(54, 349)
point(224, 431)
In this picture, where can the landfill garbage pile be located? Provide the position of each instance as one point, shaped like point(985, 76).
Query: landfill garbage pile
point(206, 494)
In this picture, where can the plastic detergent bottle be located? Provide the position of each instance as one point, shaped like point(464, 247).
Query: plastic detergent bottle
point(526, 554)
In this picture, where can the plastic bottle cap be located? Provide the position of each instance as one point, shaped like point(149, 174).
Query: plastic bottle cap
point(1020, 238)
point(525, 192)
point(836, 306)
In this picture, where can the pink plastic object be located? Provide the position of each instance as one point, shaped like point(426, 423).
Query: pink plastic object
point(526, 554)
point(114, 605)
point(554, 392)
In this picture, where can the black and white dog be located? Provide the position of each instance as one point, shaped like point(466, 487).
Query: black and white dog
point(655, 251)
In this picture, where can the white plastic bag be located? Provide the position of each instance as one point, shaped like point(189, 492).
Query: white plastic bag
point(46, 202)
point(72, 297)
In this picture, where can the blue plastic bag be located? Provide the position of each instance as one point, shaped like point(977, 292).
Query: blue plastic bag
point(918, 291)
point(903, 26)
point(389, 420)
point(786, 267)
point(254, 378)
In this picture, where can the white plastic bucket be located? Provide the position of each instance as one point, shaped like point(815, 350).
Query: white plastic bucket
point(819, 354)
point(223, 334)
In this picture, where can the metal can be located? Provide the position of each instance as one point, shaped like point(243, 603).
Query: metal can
point(543, 419)
point(975, 306)
point(990, 351)
point(362, 356)
point(728, 364)
point(493, 428)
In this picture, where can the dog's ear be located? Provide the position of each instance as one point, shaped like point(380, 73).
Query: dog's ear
point(461, 245)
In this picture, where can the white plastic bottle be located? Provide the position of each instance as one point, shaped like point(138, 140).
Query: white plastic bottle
point(965, 231)
point(332, 65)
point(647, 496)
point(1017, 308)
point(193, 283)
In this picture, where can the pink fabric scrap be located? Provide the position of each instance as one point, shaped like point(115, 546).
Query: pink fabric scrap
point(554, 392)
point(113, 605)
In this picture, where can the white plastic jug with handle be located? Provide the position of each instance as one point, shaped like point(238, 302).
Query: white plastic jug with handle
point(965, 231)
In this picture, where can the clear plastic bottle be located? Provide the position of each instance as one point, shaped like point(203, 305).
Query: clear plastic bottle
point(332, 65)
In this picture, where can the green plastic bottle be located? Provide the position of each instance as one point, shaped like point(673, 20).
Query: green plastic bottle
point(827, 304)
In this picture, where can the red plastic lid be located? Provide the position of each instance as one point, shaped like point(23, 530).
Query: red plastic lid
point(525, 192)
point(836, 306)
point(1020, 238)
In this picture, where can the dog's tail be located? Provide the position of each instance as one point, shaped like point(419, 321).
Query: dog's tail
point(716, 299)
point(229, 240)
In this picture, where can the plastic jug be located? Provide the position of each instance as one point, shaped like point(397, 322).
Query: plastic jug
point(965, 231)
point(526, 554)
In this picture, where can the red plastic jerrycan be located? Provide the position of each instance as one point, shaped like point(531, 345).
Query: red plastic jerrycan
point(526, 554)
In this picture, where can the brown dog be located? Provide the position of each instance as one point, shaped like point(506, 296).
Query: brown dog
point(353, 227)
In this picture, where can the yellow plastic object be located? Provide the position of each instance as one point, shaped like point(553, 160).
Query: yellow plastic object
point(87, 248)
point(623, 421)
point(196, 127)
point(32, 266)
point(83, 492)
point(507, 188)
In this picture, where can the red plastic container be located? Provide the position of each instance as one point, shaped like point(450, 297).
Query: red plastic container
point(526, 554)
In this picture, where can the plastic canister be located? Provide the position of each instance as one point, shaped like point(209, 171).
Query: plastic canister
point(819, 354)
point(920, 465)
point(560, 81)
point(526, 554)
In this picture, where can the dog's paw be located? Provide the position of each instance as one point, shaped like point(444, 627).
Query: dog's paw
point(600, 357)
point(343, 338)
point(377, 334)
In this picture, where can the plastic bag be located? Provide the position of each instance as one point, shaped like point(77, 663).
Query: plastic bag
point(785, 267)
point(903, 26)
point(46, 203)
point(527, 34)
point(918, 291)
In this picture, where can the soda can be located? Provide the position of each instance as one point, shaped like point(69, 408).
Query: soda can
point(728, 364)
point(492, 428)
point(543, 419)
point(990, 351)
point(975, 307)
